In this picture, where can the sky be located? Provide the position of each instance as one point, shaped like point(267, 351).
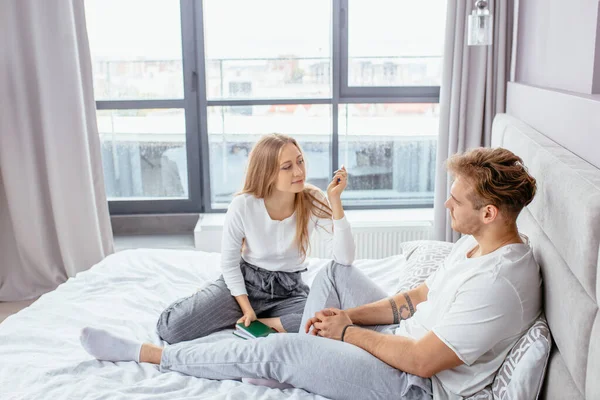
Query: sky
point(151, 29)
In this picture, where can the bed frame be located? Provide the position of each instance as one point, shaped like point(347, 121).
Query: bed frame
point(563, 224)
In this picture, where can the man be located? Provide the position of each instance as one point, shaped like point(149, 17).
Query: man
point(445, 338)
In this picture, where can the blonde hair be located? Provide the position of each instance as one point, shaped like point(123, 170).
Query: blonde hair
point(261, 176)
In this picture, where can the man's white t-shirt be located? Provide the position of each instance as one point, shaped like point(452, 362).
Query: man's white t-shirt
point(479, 307)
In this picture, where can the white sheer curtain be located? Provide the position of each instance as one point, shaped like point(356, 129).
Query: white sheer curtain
point(54, 219)
point(473, 91)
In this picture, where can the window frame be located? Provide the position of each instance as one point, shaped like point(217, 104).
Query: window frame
point(195, 105)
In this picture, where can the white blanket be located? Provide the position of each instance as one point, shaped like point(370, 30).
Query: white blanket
point(40, 353)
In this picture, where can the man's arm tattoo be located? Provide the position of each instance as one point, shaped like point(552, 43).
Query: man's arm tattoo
point(395, 312)
point(398, 312)
point(410, 305)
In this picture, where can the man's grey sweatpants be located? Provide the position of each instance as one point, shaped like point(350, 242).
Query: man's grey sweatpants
point(327, 367)
point(212, 309)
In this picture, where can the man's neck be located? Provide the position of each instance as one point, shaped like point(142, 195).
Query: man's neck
point(489, 242)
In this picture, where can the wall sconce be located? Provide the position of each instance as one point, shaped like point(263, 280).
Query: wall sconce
point(481, 25)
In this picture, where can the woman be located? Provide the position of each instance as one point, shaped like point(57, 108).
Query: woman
point(270, 222)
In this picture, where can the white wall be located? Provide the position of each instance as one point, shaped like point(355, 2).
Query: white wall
point(557, 40)
point(556, 85)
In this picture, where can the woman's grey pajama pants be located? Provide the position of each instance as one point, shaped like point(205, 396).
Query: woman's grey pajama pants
point(212, 309)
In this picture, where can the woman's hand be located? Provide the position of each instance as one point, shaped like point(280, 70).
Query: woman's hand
point(248, 317)
point(337, 185)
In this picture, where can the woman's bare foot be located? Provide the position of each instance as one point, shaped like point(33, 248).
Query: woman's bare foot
point(274, 323)
point(150, 353)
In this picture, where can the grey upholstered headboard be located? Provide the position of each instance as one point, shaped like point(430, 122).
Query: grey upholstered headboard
point(563, 225)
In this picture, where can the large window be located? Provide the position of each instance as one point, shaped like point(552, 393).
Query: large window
point(184, 88)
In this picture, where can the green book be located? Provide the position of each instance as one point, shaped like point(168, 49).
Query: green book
point(255, 330)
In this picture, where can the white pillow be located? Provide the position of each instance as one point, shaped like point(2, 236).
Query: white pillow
point(522, 373)
point(423, 258)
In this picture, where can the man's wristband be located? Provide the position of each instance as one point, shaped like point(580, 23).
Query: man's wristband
point(344, 331)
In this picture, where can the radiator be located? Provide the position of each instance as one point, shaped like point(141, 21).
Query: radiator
point(374, 237)
point(376, 241)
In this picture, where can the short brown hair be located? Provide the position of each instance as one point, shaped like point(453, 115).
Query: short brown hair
point(498, 178)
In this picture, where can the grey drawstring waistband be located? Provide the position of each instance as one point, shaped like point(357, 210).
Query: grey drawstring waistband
point(274, 282)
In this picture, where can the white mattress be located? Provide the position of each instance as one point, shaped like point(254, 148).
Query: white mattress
point(40, 353)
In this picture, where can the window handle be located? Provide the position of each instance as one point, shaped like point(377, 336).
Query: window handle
point(194, 81)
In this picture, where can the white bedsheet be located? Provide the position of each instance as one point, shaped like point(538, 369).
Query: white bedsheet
point(40, 353)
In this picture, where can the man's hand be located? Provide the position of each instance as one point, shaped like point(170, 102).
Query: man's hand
point(329, 323)
point(311, 322)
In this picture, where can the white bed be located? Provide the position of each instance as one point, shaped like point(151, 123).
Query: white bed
point(41, 356)
point(39, 347)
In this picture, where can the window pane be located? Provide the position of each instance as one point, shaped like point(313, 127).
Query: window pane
point(136, 49)
point(267, 49)
point(143, 154)
point(402, 46)
point(389, 151)
point(232, 131)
